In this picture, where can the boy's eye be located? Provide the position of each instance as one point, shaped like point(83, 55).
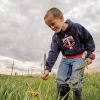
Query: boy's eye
point(52, 24)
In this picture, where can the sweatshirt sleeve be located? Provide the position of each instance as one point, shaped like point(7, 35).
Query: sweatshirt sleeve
point(53, 54)
point(87, 39)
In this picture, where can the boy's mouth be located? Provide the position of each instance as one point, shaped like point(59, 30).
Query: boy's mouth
point(55, 29)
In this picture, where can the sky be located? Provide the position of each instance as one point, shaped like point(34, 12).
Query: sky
point(24, 35)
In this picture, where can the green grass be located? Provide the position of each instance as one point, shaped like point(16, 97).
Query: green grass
point(16, 87)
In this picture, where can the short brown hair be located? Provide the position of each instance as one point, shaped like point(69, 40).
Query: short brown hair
point(55, 11)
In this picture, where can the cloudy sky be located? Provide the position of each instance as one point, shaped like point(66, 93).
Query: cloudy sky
point(24, 35)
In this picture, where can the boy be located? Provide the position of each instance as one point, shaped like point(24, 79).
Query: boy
point(72, 39)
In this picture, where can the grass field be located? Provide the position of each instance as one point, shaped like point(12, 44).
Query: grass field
point(34, 88)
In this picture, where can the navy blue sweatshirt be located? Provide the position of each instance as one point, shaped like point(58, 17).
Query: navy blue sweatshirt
point(74, 40)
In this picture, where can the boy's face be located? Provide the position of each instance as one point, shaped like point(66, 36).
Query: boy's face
point(54, 23)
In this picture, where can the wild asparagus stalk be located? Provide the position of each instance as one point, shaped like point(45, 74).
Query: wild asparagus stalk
point(44, 62)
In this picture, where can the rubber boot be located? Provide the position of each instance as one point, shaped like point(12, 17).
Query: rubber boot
point(77, 94)
point(62, 91)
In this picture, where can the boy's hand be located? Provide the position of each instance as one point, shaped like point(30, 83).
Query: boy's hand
point(88, 61)
point(45, 75)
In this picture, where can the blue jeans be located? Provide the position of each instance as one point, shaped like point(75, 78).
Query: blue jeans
point(68, 71)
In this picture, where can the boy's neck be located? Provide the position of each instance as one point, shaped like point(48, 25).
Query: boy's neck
point(64, 27)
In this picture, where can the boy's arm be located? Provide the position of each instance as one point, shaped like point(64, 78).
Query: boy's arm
point(87, 39)
point(53, 54)
point(52, 57)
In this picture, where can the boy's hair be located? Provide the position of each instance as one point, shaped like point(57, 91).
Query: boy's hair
point(54, 11)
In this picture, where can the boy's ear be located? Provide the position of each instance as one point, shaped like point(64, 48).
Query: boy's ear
point(61, 17)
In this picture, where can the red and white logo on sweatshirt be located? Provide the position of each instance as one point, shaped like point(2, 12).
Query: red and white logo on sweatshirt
point(68, 42)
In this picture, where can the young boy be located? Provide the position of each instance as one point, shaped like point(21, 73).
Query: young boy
point(72, 39)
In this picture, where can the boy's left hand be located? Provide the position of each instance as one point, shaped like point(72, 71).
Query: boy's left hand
point(88, 61)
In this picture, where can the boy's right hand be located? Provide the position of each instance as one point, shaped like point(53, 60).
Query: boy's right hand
point(45, 75)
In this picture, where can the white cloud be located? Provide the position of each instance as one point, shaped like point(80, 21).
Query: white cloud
point(6, 64)
point(24, 36)
point(2, 9)
point(6, 2)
